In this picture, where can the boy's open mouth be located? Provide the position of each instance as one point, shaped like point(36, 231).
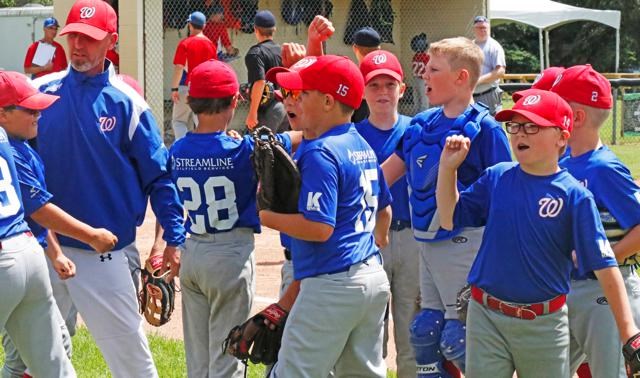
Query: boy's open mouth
point(522, 147)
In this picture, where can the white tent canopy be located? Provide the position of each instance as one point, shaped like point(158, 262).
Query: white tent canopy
point(546, 15)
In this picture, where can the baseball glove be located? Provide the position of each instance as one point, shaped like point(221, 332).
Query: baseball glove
point(462, 303)
point(156, 298)
point(258, 339)
point(278, 175)
point(631, 352)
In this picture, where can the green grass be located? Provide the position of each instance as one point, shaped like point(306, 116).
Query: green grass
point(168, 355)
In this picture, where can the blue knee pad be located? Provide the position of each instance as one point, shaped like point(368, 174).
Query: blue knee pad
point(425, 332)
point(453, 342)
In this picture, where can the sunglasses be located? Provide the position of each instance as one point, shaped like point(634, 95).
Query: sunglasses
point(294, 93)
point(28, 111)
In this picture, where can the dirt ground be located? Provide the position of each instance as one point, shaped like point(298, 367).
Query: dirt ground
point(269, 260)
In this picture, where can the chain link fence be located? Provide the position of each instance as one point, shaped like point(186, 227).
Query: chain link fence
point(397, 21)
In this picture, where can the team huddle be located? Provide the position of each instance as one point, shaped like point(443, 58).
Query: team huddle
point(488, 267)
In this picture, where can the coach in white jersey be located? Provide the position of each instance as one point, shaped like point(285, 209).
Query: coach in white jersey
point(103, 158)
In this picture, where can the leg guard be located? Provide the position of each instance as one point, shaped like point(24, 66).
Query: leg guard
point(453, 342)
point(425, 333)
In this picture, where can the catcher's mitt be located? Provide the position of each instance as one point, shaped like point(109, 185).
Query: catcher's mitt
point(255, 340)
point(157, 296)
point(278, 175)
point(462, 303)
point(631, 352)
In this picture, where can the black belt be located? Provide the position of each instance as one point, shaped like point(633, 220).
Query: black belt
point(485, 92)
point(287, 254)
point(399, 225)
point(364, 261)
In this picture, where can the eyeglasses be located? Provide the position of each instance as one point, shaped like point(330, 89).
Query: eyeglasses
point(294, 93)
point(529, 127)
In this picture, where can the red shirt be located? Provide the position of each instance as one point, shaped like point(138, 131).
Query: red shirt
point(59, 58)
point(217, 31)
point(192, 51)
point(419, 63)
point(114, 57)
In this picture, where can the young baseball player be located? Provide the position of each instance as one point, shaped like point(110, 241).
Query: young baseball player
point(217, 186)
point(42, 215)
point(592, 326)
point(537, 216)
point(343, 288)
point(383, 77)
point(28, 310)
point(190, 52)
point(102, 137)
point(445, 256)
point(419, 45)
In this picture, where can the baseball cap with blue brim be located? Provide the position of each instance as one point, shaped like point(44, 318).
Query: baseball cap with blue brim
point(197, 19)
point(480, 19)
point(51, 22)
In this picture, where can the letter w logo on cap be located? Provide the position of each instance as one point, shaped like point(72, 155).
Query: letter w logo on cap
point(531, 100)
point(87, 12)
point(380, 59)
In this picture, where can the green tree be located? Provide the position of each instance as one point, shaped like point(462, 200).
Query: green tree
point(520, 44)
point(7, 3)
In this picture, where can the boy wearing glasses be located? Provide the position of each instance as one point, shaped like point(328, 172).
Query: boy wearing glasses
point(593, 333)
point(216, 184)
point(445, 256)
point(539, 222)
point(383, 129)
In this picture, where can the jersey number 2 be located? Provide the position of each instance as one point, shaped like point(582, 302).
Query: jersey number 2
point(214, 205)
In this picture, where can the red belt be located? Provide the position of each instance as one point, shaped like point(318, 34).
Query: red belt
point(521, 311)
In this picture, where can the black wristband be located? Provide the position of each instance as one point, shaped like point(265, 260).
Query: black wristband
point(174, 89)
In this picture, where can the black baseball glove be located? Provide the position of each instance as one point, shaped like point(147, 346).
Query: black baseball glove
point(258, 339)
point(631, 352)
point(157, 296)
point(278, 175)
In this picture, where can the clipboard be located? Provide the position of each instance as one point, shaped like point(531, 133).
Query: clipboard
point(44, 54)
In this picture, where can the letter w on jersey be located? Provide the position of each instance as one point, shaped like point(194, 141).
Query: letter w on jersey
point(550, 207)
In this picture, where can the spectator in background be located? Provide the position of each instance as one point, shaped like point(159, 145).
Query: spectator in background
point(261, 57)
point(419, 45)
point(487, 90)
point(58, 61)
point(365, 40)
point(216, 31)
point(191, 51)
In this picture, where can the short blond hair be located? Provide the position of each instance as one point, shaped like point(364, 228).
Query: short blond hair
point(461, 53)
point(595, 116)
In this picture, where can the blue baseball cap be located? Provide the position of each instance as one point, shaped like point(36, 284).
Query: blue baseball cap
point(197, 19)
point(264, 19)
point(480, 19)
point(51, 22)
point(366, 37)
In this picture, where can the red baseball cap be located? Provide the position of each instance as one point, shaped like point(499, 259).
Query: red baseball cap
point(329, 74)
point(213, 79)
point(15, 90)
point(584, 85)
point(381, 62)
point(297, 66)
point(93, 18)
point(541, 107)
point(544, 81)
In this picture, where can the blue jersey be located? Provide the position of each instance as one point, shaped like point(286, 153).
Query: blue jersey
point(533, 223)
point(32, 185)
point(420, 149)
point(216, 181)
point(11, 211)
point(342, 186)
point(104, 156)
point(384, 143)
point(611, 183)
